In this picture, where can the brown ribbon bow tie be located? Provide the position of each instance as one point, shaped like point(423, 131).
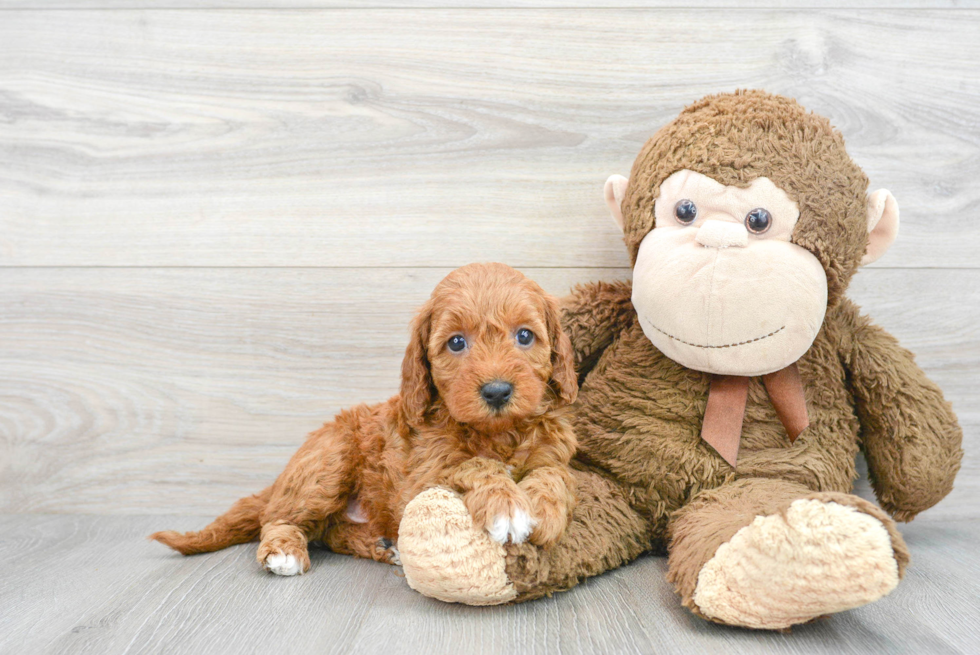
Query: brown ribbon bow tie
point(722, 427)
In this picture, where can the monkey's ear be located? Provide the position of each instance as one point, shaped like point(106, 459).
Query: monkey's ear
point(882, 224)
point(614, 192)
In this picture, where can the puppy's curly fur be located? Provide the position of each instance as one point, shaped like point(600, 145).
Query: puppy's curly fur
point(350, 481)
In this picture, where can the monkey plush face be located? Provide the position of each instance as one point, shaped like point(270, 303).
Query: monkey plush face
point(724, 250)
point(745, 218)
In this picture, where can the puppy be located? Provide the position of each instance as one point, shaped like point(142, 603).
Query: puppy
point(484, 380)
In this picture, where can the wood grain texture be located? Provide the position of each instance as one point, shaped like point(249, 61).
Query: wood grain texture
point(87, 584)
point(143, 390)
point(257, 167)
point(181, 390)
point(434, 138)
point(479, 4)
point(287, 179)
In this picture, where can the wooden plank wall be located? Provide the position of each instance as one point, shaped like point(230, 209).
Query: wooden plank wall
point(215, 223)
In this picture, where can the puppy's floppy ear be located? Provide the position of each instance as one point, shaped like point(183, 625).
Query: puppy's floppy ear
point(563, 375)
point(416, 389)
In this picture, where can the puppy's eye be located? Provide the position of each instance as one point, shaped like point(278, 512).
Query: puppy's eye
point(456, 343)
point(758, 220)
point(685, 211)
point(525, 337)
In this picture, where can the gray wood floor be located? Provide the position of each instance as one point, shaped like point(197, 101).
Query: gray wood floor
point(216, 219)
point(92, 584)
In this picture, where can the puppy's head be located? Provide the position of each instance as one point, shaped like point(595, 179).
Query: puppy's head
point(489, 344)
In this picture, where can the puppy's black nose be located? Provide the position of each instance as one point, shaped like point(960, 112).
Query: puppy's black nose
point(497, 393)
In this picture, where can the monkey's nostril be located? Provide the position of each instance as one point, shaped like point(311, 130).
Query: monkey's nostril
point(496, 394)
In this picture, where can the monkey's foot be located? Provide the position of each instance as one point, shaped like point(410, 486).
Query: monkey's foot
point(815, 558)
point(445, 556)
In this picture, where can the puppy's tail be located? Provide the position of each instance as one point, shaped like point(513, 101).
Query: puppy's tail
point(238, 525)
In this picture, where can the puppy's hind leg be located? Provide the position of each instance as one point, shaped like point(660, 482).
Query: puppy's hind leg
point(362, 540)
point(313, 488)
point(283, 549)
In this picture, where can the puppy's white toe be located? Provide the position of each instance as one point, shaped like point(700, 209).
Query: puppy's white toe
point(282, 564)
point(500, 529)
point(521, 525)
point(516, 527)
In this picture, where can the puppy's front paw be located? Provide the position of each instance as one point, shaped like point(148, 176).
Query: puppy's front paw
point(282, 564)
point(550, 525)
point(516, 526)
point(503, 509)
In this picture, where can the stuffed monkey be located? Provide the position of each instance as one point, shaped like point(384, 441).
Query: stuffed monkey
point(725, 392)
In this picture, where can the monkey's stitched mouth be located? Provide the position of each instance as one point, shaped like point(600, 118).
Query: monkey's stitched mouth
point(727, 345)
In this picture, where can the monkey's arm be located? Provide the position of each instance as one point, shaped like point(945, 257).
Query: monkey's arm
point(909, 433)
point(592, 315)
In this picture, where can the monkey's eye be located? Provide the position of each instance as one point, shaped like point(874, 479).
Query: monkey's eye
point(758, 220)
point(456, 343)
point(524, 337)
point(685, 211)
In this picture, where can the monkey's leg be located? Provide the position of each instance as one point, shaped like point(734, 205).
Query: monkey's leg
point(314, 486)
point(445, 556)
point(769, 554)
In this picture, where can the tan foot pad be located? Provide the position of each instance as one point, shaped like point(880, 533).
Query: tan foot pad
point(779, 571)
point(445, 556)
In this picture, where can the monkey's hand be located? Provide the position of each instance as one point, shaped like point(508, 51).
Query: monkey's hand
point(910, 435)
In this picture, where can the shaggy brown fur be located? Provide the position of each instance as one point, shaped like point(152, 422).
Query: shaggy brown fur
point(644, 471)
point(372, 459)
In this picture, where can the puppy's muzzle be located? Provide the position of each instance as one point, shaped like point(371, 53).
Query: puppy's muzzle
point(496, 394)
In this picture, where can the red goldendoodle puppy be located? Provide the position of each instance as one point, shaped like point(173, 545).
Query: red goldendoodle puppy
point(483, 380)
